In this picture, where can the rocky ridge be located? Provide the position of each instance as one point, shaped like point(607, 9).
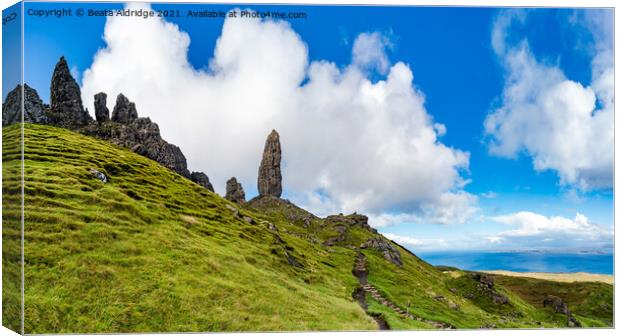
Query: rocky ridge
point(124, 128)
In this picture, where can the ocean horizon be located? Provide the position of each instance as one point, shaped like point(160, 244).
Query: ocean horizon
point(529, 261)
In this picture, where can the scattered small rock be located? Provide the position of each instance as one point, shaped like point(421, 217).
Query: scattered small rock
point(234, 210)
point(99, 175)
point(248, 219)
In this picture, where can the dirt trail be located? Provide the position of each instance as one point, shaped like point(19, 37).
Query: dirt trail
point(361, 272)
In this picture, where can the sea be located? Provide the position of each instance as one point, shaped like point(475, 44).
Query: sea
point(530, 261)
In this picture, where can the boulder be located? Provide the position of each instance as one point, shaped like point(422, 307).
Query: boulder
point(34, 110)
point(124, 111)
point(102, 114)
point(201, 179)
point(557, 304)
point(66, 109)
point(269, 174)
point(99, 175)
point(390, 253)
point(234, 191)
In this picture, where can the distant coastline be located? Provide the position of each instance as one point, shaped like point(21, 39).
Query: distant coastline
point(527, 261)
point(560, 277)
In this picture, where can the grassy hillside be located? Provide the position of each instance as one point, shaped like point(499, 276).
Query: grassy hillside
point(152, 251)
point(591, 302)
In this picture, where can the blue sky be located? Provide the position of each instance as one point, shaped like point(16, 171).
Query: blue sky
point(463, 78)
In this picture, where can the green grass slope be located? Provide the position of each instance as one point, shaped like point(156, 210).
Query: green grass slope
point(153, 251)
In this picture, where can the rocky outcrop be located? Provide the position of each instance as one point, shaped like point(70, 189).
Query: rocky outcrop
point(390, 253)
point(142, 136)
point(124, 111)
point(234, 191)
point(486, 286)
point(125, 129)
point(353, 219)
point(34, 110)
point(66, 109)
point(269, 174)
point(559, 306)
point(102, 114)
point(202, 179)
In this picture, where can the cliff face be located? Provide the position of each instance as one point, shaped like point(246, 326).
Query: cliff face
point(124, 128)
point(34, 110)
point(66, 107)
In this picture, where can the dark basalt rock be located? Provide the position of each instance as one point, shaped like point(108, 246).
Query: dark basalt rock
point(390, 253)
point(34, 110)
point(202, 179)
point(269, 174)
point(234, 191)
point(102, 114)
point(66, 109)
point(124, 111)
point(141, 135)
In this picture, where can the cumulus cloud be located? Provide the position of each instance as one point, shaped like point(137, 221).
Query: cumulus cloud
point(417, 244)
point(564, 125)
point(536, 228)
point(349, 144)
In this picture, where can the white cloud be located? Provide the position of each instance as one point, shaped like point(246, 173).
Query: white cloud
point(348, 144)
point(529, 224)
point(562, 124)
point(418, 244)
point(369, 52)
point(404, 239)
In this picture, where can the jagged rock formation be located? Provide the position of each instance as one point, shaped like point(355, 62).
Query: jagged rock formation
point(142, 136)
point(125, 128)
point(201, 179)
point(102, 114)
point(269, 174)
point(66, 107)
point(124, 111)
point(34, 110)
point(234, 191)
point(390, 253)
